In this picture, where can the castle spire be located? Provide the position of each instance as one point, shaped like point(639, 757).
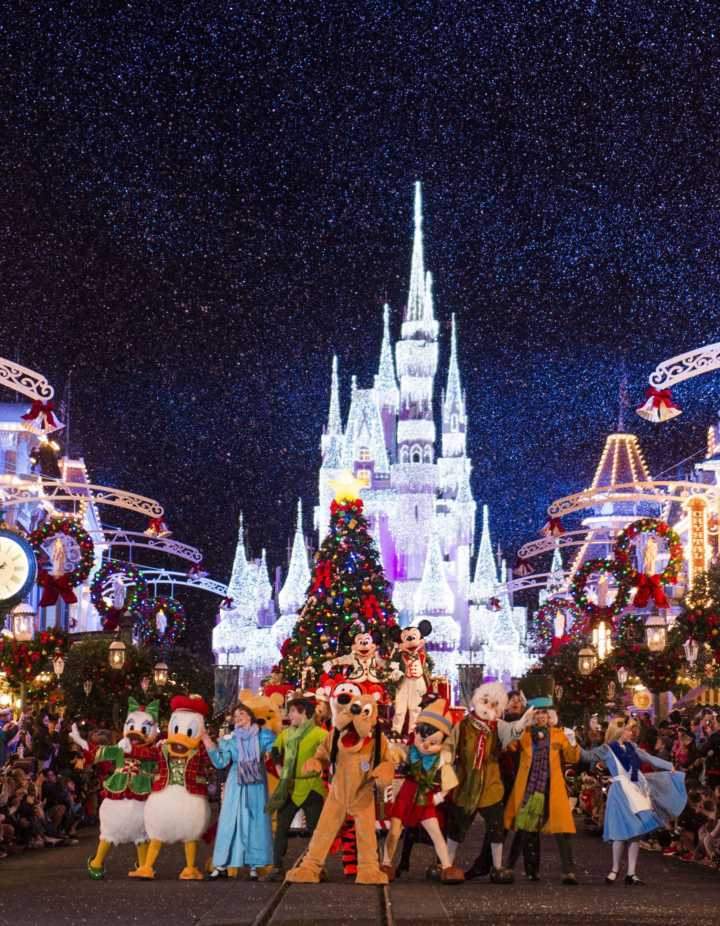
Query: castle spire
point(416, 296)
point(485, 578)
point(334, 425)
point(385, 381)
point(434, 595)
point(292, 594)
point(264, 585)
point(454, 418)
point(240, 564)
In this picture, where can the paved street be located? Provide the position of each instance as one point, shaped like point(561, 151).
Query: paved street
point(50, 888)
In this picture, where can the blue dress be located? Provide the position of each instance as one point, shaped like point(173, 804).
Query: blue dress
point(244, 833)
point(662, 792)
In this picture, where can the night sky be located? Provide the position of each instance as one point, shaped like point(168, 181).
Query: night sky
point(200, 202)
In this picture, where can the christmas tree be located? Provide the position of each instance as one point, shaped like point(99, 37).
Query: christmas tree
point(347, 587)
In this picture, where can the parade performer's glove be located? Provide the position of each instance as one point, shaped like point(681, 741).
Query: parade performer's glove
point(570, 733)
point(74, 735)
point(125, 744)
point(438, 798)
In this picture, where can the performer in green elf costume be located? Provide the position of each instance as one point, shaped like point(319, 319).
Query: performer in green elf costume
point(127, 788)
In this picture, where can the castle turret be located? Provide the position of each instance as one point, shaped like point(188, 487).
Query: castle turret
point(387, 394)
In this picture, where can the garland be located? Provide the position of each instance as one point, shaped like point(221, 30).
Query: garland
point(135, 592)
point(581, 694)
point(543, 631)
point(699, 625)
point(648, 586)
point(55, 587)
point(657, 671)
point(145, 622)
point(592, 611)
point(23, 662)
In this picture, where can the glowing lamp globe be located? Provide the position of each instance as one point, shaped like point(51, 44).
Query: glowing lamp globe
point(23, 622)
point(58, 664)
point(622, 676)
point(87, 687)
point(656, 633)
point(116, 654)
point(587, 660)
point(160, 675)
point(692, 650)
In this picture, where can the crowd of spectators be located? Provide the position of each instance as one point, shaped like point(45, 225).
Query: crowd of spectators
point(45, 792)
point(690, 739)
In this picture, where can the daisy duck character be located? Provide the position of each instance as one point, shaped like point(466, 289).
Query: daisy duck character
point(429, 776)
point(410, 671)
point(126, 788)
point(177, 810)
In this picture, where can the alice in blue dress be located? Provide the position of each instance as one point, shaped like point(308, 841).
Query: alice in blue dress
point(244, 833)
point(637, 803)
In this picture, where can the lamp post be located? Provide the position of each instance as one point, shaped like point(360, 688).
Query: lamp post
point(23, 628)
point(160, 675)
point(116, 654)
point(622, 676)
point(587, 660)
point(58, 665)
point(87, 687)
point(692, 651)
point(656, 633)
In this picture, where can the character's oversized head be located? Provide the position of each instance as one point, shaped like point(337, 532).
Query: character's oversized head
point(364, 644)
point(412, 639)
point(489, 701)
point(433, 727)
point(186, 726)
point(356, 721)
point(141, 723)
point(266, 708)
point(341, 694)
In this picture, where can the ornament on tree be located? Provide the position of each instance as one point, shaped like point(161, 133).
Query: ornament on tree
point(658, 406)
point(157, 528)
point(64, 546)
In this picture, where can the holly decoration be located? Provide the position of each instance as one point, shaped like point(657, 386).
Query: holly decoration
point(55, 587)
point(543, 622)
point(135, 592)
point(22, 663)
point(347, 585)
point(648, 586)
point(593, 612)
point(146, 627)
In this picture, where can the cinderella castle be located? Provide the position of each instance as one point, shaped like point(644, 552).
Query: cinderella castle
point(418, 501)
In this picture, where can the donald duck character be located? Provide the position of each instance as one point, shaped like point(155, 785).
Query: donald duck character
point(177, 810)
point(126, 790)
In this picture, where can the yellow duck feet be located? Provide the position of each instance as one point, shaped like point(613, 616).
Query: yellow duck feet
point(191, 874)
point(145, 872)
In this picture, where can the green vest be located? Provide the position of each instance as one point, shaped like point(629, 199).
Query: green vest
point(131, 778)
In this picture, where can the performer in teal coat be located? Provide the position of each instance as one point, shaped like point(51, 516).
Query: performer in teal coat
point(244, 833)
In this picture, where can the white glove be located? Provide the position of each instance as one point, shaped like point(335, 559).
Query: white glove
point(74, 735)
point(327, 666)
point(395, 671)
point(570, 733)
point(438, 798)
point(526, 719)
point(125, 744)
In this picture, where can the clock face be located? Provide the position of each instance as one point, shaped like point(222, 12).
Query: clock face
point(17, 568)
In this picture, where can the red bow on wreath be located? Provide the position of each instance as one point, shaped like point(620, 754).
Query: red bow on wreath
point(370, 606)
point(323, 575)
point(55, 587)
point(658, 405)
point(44, 411)
point(650, 586)
point(553, 528)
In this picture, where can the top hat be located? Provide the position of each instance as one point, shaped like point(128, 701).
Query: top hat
point(538, 689)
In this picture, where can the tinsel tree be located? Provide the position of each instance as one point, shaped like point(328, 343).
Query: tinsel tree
point(347, 586)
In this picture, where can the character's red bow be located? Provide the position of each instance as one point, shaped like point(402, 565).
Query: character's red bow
point(43, 410)
point(55, 587)
point(650, 586)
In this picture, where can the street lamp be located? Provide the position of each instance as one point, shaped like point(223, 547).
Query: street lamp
point(587, 660)
point(692, 650)
point(23, 622)
point(656, 633)
point(160, 675)
point(58, 664)
point(622, 676)
point(87, 687)
point(116, 654)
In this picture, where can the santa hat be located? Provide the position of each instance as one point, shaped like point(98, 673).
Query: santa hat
point(435, 715)
point(193, 703)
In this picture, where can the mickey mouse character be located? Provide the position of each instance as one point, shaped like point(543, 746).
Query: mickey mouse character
point(366, 667)
point(411, 671)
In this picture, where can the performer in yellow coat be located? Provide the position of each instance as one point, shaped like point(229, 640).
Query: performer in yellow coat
point(539, 801)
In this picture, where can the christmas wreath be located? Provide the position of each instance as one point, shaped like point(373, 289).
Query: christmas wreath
point(658, 671)
point(592, 611)
point(581, 694)
point(62, 586)
point(146, 622)
point(135, 588)
point(543, 625)
point(648, 586)
point(23, 662)
point(700, 625)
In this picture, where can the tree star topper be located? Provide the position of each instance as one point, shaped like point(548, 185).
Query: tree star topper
point(346, 487)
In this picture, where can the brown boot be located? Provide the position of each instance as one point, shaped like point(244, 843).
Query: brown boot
point(452, 875)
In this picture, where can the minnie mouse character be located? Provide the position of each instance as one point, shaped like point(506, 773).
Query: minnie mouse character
point(411, 672)
point(366, 667)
